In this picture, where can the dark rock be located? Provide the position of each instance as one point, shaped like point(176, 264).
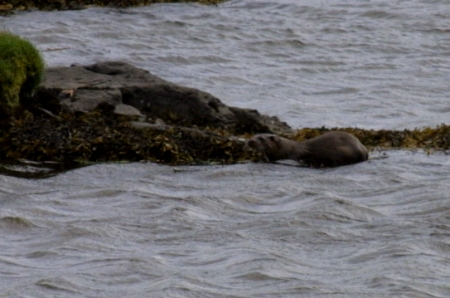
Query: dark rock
point(83, 88)
point(86, 100)
point(9, 6)
point(179, 105)
point(114, 111)
point(47, 98)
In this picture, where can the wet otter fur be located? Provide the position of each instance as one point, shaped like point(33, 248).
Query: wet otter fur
point(332, 149)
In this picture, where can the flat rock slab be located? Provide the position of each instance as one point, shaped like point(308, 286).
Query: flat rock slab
point(81, 89)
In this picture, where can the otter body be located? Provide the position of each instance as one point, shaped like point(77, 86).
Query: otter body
point(335, 148)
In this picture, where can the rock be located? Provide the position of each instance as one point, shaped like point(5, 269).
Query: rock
point(80, 89)
point(86, 100)
point(126, 110)
point(82, 4)
point(113, 111)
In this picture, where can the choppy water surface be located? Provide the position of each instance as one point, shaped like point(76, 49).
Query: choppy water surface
point(376, 229)
point(372, 64)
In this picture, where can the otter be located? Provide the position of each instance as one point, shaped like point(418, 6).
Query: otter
point(332, 149)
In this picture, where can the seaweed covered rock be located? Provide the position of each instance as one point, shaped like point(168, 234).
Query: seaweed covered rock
point(427, 138)
point(113, 111)
point(8, 6)
point(80, 89)
point(103, 136)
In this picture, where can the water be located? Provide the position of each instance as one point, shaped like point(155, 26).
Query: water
point(375, 229)
point(371, 64)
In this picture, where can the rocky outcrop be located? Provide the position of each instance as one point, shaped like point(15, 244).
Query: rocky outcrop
point(81, 89)
point(113, 111)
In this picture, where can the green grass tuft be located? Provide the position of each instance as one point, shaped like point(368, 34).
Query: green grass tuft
point(21, 70)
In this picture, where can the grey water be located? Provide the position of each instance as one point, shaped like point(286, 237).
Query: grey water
point(375, 229)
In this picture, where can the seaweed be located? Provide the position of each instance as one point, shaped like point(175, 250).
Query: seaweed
point(101, 136)
point(98, 137)
point(429, 139)
point(10, 6)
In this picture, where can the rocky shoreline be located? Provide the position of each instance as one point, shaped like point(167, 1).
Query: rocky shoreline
point(113, 112)
point(9, 6)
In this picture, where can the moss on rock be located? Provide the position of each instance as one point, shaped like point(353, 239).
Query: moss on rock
point(21, 70)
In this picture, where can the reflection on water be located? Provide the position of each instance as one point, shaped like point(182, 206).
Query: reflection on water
point(375, 229)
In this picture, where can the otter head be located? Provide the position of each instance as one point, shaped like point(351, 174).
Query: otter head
point(268, 144)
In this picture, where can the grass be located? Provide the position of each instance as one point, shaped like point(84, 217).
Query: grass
point(21, 70)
